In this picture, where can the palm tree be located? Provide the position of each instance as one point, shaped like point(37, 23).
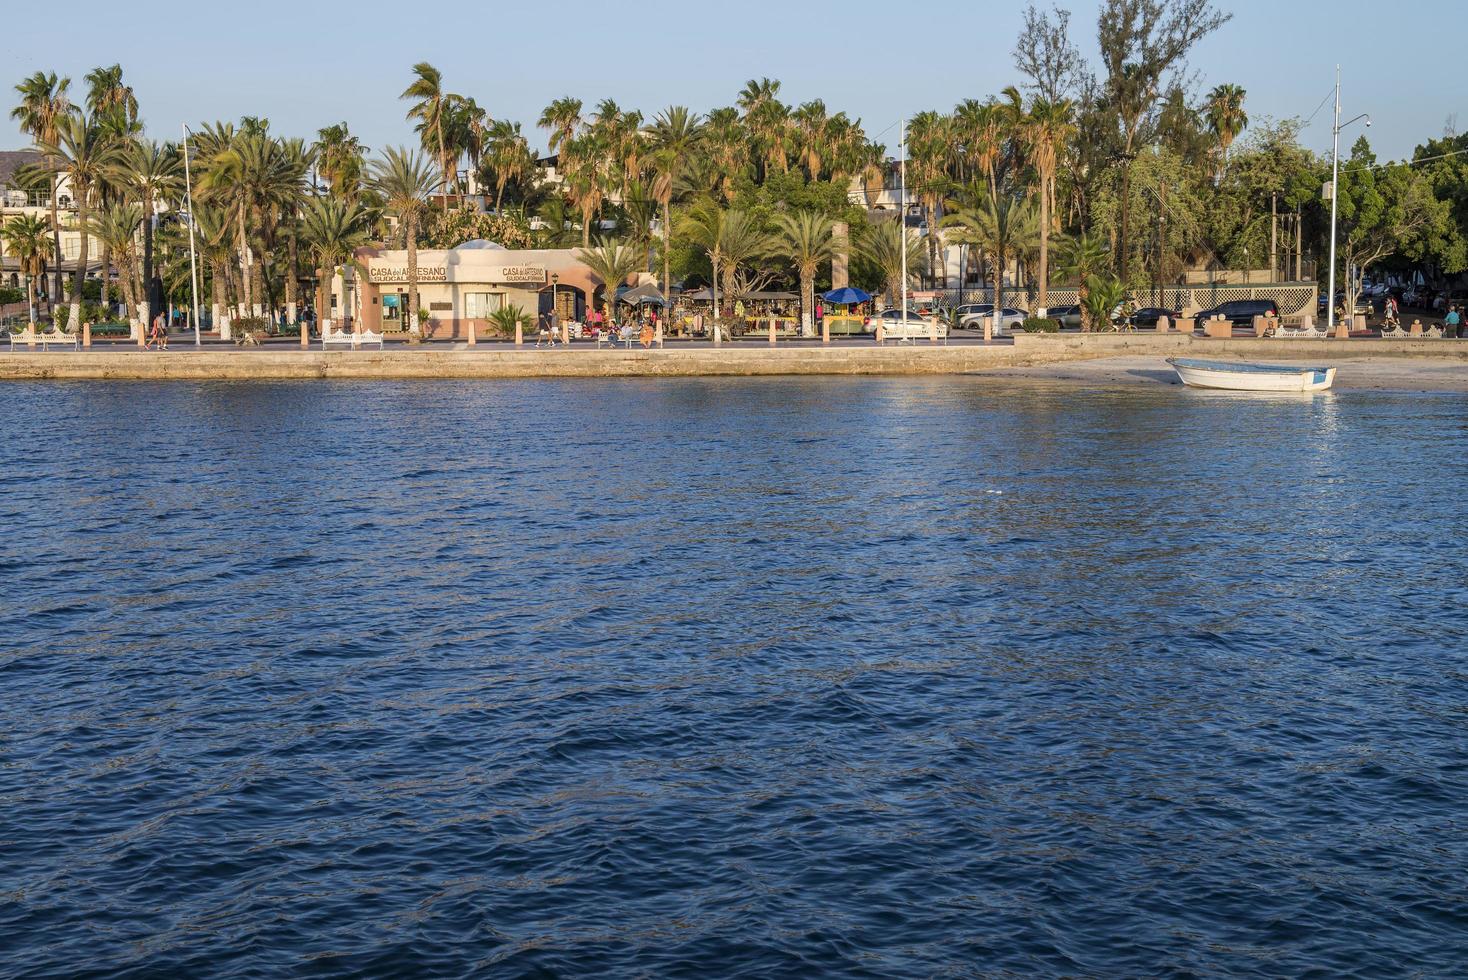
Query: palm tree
point(116, 227)
point(107, 93)
point(997, 226)
point(804, 238)
point(340, 158)
point(214, 235)
point(581, 164)
point(333, 230)
point(428, 109)
point(85, 152)
point(403, 179)
point(1226, 117)
point(509, 157)
point(929, 138)
point(729, 239)
point(611, 262)
point(43, 104)
point(149, 172)
point(884, 244)
point(562, 117)
point(727, 144)
point(1045, 130)
point(511, 319)
point(675, 137)
point(1085, 258)
point(28, 236)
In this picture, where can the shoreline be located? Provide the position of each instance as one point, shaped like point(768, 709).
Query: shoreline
point(1109, 359)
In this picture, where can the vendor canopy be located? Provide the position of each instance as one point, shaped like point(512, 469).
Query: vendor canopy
point(846, 295)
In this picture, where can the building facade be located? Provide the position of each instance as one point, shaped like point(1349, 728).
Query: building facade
point(465, 285)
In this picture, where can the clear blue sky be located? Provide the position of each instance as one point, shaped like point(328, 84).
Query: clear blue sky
point(308, 64)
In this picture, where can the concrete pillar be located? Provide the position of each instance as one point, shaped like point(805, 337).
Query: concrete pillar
point(1163, 324)
point(1259, 324)
point(1187, 324)
point(881, 333)
point(1343, 329)
point(933, 329)
point(519, 335)
point(306, 334)
point(1416, 329)
point(989, 329)
point(470, 335)
point(718, 333)
point(566, 333)
point(772, 331)
point(825, 330)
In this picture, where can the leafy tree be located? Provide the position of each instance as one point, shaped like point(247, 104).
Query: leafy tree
point(805, 239)
point(28, 237)
point(611, 262)
point(44, 103)
point(403, 179)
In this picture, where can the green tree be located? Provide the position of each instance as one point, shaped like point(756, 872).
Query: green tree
point(1226, 118)
point(611, 262)
point(675, 137)
point(405, 182)
point(883, 244)
point(332, 230)
point(84, 152)
point(44, 103)
point(28, 237)
point(149, 173)
point(428, 108)
point(805, 239)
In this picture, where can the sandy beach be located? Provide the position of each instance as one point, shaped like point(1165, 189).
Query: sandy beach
point(1356, 373)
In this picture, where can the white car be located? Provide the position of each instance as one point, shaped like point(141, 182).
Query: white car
point(1011, 319)
point(913, 328)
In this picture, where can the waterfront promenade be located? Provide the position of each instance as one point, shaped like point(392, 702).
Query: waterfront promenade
point(186, 363)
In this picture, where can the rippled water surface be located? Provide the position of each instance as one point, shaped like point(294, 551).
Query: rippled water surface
point(759, 677)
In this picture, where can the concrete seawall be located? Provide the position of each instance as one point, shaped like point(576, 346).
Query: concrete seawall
point(486, 361)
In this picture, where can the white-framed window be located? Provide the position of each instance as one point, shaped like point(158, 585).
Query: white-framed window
point(479, 306)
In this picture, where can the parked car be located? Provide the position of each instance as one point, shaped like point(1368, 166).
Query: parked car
point(1011, 319)
point(1069, 317)
point(1148, 316)
point(914, 327)
point(1241, 312)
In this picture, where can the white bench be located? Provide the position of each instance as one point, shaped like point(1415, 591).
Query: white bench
point(337, 338)
point(367, 338)
point(47, 339)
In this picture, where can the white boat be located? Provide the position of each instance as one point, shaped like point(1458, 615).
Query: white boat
point(1239, 376)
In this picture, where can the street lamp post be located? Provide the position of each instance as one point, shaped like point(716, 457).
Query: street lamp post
point(1335, 177)
point(193, 260)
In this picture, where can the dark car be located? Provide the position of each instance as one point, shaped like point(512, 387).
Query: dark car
point(1148, 316)
point(1241, 312)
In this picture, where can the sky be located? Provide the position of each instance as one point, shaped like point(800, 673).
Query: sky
point(308, 64)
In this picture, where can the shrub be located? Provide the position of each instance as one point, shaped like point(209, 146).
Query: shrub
point(10, 295)
point(1040, 324)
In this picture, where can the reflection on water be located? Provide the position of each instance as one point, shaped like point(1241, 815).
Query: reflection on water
point(874, 676)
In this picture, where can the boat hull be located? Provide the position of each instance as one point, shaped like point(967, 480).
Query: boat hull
point(1226, 376)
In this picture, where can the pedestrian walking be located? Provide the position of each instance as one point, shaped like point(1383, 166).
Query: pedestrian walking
point(1452, 323)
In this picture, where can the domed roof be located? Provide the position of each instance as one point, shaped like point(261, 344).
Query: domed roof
point(480, 243)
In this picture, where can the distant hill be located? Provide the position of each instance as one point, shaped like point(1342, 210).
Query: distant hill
point(11, 160)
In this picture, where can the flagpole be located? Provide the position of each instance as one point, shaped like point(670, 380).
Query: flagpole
point(193, 259)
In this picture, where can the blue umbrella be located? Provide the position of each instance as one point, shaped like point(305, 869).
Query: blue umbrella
point(846, 295)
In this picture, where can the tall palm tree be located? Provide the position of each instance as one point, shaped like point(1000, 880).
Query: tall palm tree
point(340, 158)
point(562, 118)
point(43, 104)
point(1085, 258)
point(675, 136)
point(85, 152)
point(804, 237)
point(107, 92)
point(428, 108)
point(404, 180)
point(149, 172)
point(116, 227)
point(581, 163)
point(1045, 130)
point(333, 230)
point(509, 157)
point(998, 226)
point(1226, 117)
point(929, 138)
point(884, 244)
point(611, 262)
point(215, 232)
point(727, 144)
point(29, 237)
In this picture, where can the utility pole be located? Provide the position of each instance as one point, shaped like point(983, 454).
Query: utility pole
point(1335, 177)
point(193, 259)
point(1299, 246)
point(1274, 236)
point(902, 211)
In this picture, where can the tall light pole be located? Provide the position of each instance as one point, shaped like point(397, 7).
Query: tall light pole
point(193, 259)
point(1335, 177)
point(902, 214)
